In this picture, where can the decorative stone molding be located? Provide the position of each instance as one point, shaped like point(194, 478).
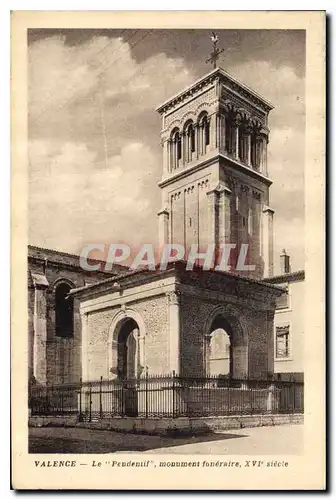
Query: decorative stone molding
point(174, 297)
point(244, 189)
point(203, 184)
point(189, 190)
point(256, 194)
point(176, 196)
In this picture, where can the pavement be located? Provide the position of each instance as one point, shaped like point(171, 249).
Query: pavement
point(282, 439)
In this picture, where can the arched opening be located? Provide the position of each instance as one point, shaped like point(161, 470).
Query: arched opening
point(64, 311)
point(204, 132)
point(219, 350)
point(128, 350)
point(225, 345)
point(176, 148)
point(190, 142)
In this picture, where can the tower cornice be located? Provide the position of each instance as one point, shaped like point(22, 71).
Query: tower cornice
point(231, 83)
point(185, 172)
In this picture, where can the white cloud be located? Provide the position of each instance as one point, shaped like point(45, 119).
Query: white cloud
point(75, 200)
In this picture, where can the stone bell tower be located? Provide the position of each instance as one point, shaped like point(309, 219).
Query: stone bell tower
point(215, 184)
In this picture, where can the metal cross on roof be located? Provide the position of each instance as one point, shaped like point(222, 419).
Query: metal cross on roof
point(214, 56)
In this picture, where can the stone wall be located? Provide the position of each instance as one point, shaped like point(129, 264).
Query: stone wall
point(62, 357)
point(254, 352)
point(154, 314)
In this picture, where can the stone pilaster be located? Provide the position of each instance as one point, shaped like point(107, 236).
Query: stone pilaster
point(225, 215)
point(40, 328)
point(222, 135)
point(174, 331)
point(213, 131)
point(183, 148)
point(268, 241)
point(166, 157)
point(206, 354)
point(263, 167)
point(213, 217)
point(141, 354)
point(85, 360)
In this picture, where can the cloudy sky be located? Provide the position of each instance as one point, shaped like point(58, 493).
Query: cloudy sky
point(94, 153)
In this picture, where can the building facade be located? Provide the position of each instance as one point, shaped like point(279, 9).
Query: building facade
point(215, 191)
point(215, 184)
point(54, 324)
point(289, 319)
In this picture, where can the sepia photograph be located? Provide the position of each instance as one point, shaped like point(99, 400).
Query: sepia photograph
point(166, 254)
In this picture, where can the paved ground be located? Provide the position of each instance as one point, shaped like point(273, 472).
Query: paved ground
point(283, 439)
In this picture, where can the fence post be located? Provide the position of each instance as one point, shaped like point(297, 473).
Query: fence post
point(80, 399)
point(173, 393)
point(251, 398)
point(100, 397)
point(270, 398)
point(146, 392)
point(90, 402)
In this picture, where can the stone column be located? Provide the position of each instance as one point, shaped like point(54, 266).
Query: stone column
point(201, 141)
point(40, 328)
point(235, 140)
point(163, 226)
point(268, 243)
point(174, 331)
point(183, 148)
point(249, 150)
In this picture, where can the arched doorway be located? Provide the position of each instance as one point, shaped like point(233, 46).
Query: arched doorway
point(128, 349)
point(220, 349)
point(226, 351)
point(126, 362)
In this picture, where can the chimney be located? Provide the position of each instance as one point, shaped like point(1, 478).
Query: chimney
point(284, 263)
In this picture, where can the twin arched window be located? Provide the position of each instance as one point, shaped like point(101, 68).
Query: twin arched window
point(194, 137)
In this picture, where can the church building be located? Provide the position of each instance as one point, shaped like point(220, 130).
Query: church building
point(215, 191)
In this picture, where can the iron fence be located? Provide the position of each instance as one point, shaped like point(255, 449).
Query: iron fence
point(168, 396)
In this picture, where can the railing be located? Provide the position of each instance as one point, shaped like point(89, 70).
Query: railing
point(167, 396)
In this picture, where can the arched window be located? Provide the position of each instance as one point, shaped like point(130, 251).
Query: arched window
point(176, 148)
point(64, 322)
point(204, 130)
point(241, 144)
point(219, 348)
point(190, 143)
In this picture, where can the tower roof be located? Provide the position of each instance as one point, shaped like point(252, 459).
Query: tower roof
point(227, 81)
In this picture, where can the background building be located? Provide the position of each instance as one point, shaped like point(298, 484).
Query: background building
point(54, 328)
point(289, 319)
